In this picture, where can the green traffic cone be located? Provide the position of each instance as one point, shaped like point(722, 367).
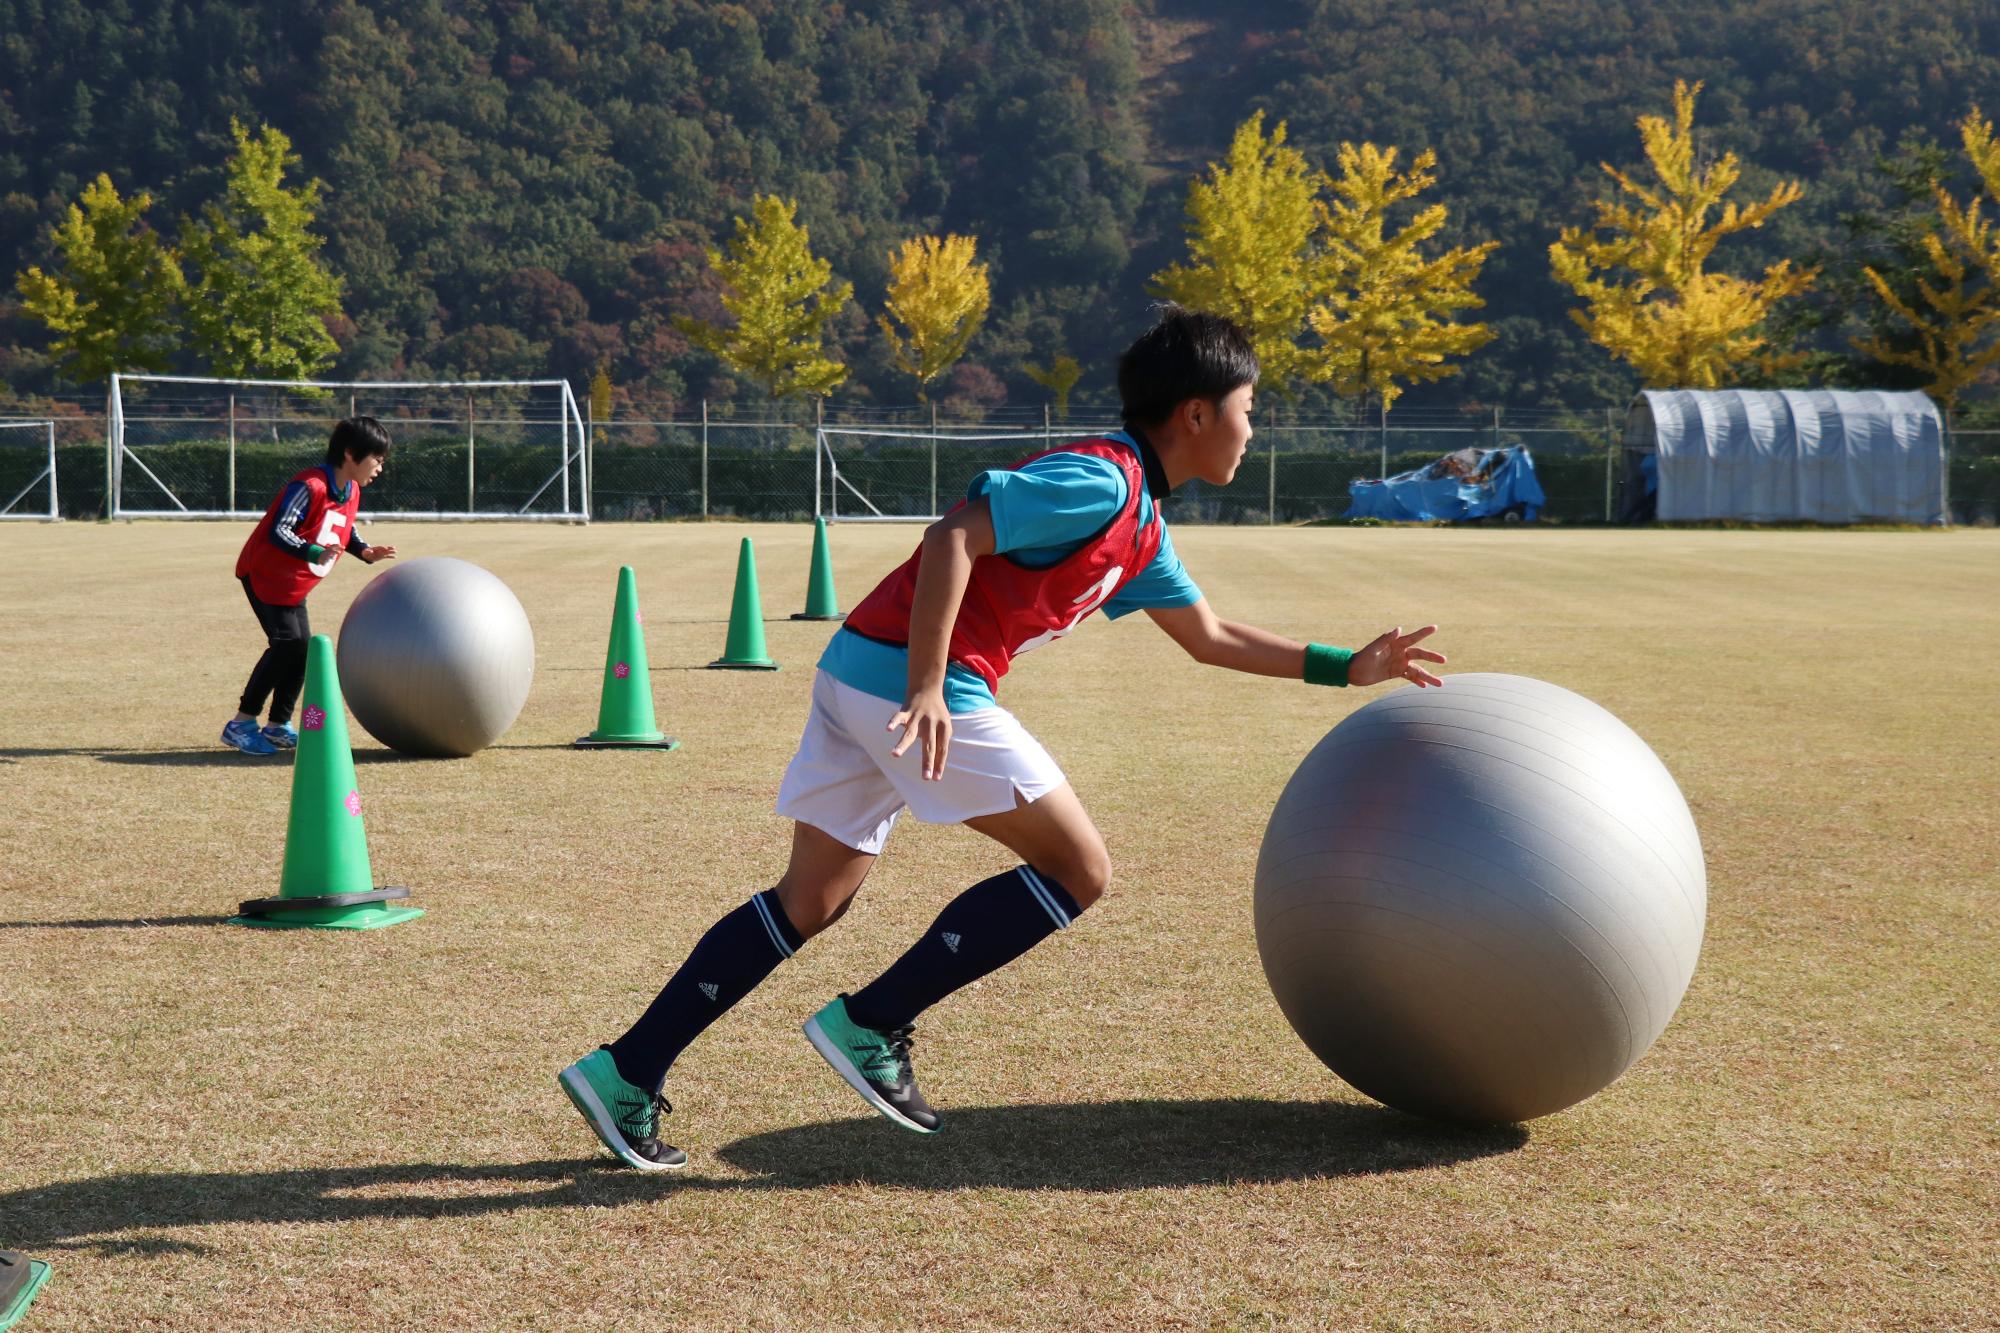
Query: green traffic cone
point(625, 707)
point(20, 1278)
point(326, 880)
point(745, 649)
point(821, 604)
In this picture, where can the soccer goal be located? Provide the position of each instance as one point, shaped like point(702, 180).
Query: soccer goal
point(871, 474)
point(187, 447)
point(28, 459)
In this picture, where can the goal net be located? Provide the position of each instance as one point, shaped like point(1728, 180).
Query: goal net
point(28, 470)
point(865, 474)
point(188, 447)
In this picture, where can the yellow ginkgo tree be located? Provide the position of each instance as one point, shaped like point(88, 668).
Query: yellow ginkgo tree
point(1649, 297)
point(938, 296)
point(1385, 311)
point(1059, 378)
point(1251, 225)
point(780, 299)
point(111, 303)
point(1954, 330)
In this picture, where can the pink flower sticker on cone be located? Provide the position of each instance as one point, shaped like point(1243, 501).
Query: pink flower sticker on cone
point(621, 671)
point(315, 717)
point(353, 802)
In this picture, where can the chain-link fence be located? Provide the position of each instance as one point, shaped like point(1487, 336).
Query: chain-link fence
point(1972, 494)
point(760, 462)
point(860, 464)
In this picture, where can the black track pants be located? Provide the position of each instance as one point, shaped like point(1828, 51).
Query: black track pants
point(281, 671)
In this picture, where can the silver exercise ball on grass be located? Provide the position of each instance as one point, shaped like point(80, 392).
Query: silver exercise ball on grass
point(436, 657)
point(1480, 903)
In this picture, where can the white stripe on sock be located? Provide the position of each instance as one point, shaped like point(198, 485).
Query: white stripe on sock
point(1044, 897)
point(764, 915)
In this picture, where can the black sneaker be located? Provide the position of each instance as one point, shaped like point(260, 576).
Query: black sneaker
point(875, 1064)
point(625, 1118)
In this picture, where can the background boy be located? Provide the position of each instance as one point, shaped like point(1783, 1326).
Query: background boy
point(293, 547)
point(1032, 552)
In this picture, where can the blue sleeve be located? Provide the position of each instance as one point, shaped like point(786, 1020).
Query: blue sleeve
point(1162, 583)
point(291, 508)
point(1057, 500)
point(355, 544)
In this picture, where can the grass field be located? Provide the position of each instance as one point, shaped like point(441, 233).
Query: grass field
point(215, 1128)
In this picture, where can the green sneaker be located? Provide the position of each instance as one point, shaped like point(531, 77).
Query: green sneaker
point(626, 1118)
point(875, 1064)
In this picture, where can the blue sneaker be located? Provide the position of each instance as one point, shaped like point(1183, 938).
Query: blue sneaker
point(283, 735)
point(245, 737)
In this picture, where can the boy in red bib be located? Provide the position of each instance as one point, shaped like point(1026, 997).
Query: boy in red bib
point(1032, 551)
point(292, 548)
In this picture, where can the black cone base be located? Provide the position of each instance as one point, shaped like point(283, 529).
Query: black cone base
point(279, 906)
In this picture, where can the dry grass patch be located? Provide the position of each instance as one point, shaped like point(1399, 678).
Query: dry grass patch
point(218, 1128)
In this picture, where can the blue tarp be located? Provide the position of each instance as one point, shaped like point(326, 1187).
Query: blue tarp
point(1471, 483)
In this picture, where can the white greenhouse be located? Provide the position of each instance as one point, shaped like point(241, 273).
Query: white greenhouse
point(1777, 456)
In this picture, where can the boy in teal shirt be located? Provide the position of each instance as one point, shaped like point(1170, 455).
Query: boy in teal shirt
point(904, 716)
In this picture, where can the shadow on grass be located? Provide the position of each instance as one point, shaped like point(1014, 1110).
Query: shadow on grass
point(116, 923)
point(112, 754)
point(221, 757)
point(1112, 1146)
point(1117, 1146)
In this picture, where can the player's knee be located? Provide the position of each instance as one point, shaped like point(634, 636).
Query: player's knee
point(811, 911)
point(1086, 873)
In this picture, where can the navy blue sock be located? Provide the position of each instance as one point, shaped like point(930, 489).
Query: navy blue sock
point(737, 952)
point(986, 927)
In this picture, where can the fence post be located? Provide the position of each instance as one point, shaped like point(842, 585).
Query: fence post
point(933, 509)
point(232, 453)
point(471, 439)
point(1274, 477)
point(1385, 439)
point(55, 511)
point(1496, 425)
point(1948, 449)
point(1045, 427)
point(704, 458)
point(1609, 452)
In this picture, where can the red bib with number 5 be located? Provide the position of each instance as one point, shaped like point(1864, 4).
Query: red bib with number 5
point(284, 580)
point(1009, 608)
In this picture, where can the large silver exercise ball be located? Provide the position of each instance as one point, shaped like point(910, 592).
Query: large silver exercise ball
point(1480, 903)
point(436, 657)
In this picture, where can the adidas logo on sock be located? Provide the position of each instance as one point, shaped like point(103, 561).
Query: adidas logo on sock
point(710, 989)
point(951, 941)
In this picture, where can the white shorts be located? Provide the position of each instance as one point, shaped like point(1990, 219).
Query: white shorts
point(843, 782)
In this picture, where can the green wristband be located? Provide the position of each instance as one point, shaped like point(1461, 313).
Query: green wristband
point(1326, 666)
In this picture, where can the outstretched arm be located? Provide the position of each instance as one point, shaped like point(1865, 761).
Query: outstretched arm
point(1213, 641)
point(950, 546)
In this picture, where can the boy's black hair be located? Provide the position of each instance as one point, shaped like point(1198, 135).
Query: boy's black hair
point(1186, 354)
point(357, 437)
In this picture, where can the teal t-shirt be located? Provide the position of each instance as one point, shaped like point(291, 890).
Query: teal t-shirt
point(1042, 513)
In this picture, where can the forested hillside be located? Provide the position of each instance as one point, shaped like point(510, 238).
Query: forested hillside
point(528, 187)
